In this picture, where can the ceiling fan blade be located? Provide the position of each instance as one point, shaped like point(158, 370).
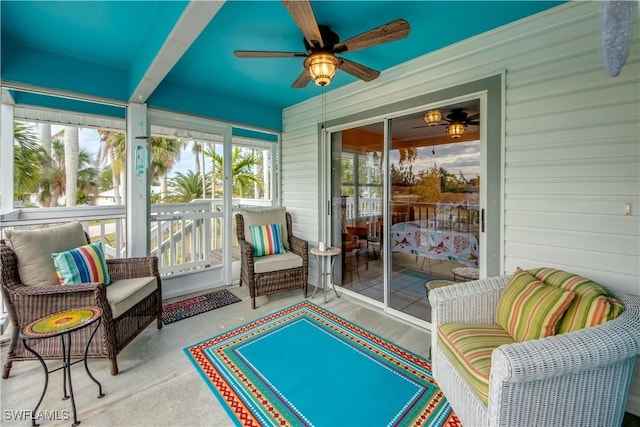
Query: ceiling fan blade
point(302, 14)
point(474, 117)
point(266, 54)
point(302, 80)
point(358, 70)
point(394, 30)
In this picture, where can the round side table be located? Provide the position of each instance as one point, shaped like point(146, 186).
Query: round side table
point(325, 260)
point(62, 324)
point(433, 284)
point(465, 273)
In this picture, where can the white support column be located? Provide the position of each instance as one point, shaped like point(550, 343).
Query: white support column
point(227, 203)
point(6, 158)
point(138, 160)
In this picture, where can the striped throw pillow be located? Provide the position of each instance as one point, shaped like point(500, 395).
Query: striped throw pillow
point(85, 264)
point(592, 306)
point(528, 309)
point(266, 239)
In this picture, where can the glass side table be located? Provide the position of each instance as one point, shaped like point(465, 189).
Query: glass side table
point(62, 324)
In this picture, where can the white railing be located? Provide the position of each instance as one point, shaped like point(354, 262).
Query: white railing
point(184, 236)
point(456, 216)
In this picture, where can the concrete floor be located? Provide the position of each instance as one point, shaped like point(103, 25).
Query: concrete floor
point(157, 385)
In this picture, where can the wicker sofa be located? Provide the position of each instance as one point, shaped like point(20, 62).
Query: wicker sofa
point(129, 304)
point(270, 274)
point(574, 378)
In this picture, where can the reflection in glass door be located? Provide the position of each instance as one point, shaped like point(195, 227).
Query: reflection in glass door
point(434, 174)
point(432, 178)
point(357, 200)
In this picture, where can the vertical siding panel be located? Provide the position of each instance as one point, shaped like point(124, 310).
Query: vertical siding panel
point(572, 141)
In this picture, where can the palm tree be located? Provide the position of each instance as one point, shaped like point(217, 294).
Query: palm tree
point(165, 152)
point(242, 174)
point(71, 153)
point(112, 152)
point(53, 182)
point(44, 129)
point(408, 154)
point(186, 187)
point(196, 148)
point(26, 159)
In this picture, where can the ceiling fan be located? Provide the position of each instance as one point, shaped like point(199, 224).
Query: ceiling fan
point(456, 121)
point(322, 44)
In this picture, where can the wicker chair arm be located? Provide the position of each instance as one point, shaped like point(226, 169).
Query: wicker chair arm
point(574, 352)
point(33, 302)
point(129, 268)
point(246, 256)
point(25, 291)
point(299, 246)
point(468, 302)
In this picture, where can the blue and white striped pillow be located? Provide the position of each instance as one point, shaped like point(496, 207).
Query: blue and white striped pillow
point(85, 264)
point(267, 239)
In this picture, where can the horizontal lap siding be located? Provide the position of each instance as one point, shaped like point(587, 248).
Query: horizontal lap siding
point(571, 143)
point(572, 157)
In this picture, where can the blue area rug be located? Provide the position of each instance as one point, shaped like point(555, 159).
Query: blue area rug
point(306, 366)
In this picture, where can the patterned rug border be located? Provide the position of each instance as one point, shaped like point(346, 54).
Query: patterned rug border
point(208, 301)
point(241, 414)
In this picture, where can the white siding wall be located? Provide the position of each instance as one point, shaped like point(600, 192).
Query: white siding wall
point(572, 142)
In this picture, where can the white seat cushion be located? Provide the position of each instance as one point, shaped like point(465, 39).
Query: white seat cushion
point(125, 293)
point(269, 263)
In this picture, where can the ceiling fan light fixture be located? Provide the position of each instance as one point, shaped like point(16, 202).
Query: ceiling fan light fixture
point(433, 117)
point(456, 129)
point(321, 67)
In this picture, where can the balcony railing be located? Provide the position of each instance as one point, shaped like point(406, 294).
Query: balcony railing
point(184, 236)
point(455, 216)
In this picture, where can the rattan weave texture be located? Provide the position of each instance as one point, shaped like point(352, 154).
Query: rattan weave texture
point(275, 281)
point(26, 303)
point(577, 378)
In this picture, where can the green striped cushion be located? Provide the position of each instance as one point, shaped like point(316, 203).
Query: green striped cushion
point(592, 306)
point(266, 239)
point(528, 309)
point(468, 347)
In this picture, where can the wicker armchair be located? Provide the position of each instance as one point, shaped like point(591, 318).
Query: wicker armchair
point(26, 303)
point(274, 273)
point(576, 378)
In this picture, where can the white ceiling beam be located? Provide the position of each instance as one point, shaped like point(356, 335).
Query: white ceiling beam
point(191, 23)
point(6, 97)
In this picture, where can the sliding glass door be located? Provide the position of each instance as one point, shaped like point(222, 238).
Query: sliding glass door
point(357, 200)
point(434, 177)
point(407, 212)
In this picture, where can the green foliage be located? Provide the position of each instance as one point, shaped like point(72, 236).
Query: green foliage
point(242, 175)
point(186, 187)
point(27, 155)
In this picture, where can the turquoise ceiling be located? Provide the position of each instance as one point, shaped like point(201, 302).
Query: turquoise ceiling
point(104, 49)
